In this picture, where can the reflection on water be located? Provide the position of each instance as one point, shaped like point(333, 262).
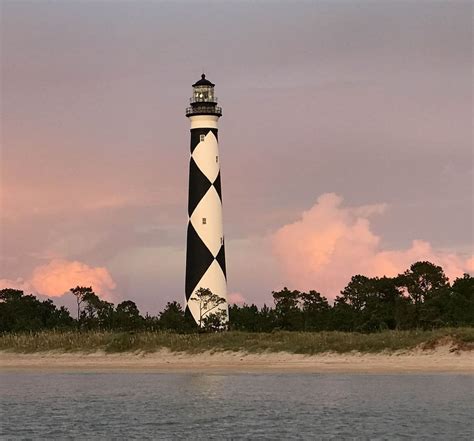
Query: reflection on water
point(208, 387)
point(264, 406)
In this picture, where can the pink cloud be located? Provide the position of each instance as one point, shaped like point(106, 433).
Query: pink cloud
point(330, 243)
point(58, 276)
point(470, 265)
point(237, 298)
point(18, 283)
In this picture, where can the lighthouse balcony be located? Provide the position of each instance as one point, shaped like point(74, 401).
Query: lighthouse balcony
point(203, 99)
point(204, 110)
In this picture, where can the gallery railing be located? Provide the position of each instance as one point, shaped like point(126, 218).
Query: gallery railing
point(197, 99)
point(204, 110)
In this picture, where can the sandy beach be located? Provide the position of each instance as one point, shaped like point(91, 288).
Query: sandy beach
point(442, 360)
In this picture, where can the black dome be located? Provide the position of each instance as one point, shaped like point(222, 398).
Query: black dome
point(203, 82)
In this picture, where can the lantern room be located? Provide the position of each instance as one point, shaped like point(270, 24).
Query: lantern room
point(203, 100)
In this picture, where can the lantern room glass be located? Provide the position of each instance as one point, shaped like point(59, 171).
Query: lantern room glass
point(204, 94)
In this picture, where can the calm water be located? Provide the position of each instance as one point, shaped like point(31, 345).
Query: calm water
point(198, 406)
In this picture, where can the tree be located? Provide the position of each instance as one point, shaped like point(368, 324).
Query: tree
point(357, 292)
point(315, 310)
point(208, 302)
point(421, 282)
point(10, 295)
point(350, 307)
point(462, 301)
point(97, 313)
point(172, 318)
point(79, 292)
point(370, 304)
point(127, 316)
point(450, 305)
point(287, 310)
point(19, 312)
point(267, 319)
point(423, 279)
point(215, 321)
point(245, 318)
point(387, 305)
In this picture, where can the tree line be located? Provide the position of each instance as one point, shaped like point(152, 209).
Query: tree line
point(421, 297)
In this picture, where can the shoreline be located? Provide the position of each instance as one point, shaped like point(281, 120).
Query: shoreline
point(439, 360)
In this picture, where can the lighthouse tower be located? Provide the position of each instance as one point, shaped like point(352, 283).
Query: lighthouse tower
point(205, 256)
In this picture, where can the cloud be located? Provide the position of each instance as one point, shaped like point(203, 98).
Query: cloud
point(236, 298)
point(331, 242)
point(470, 265)
point(18, 283)
point(58, 276)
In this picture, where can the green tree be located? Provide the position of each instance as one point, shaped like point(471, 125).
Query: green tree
point(97, 313)
point(79, 292)
point(215, 321)
point(19, 312)
point(9, 295)
point(127, 316)
point(450, 305)
point(349, 307)
point(421, 281)
point(316, 311)
point(388, 306)
point(208, 302)
point(357, 292)
point(173, 318)
point(287, 309)
point(462, 301)
point(245, 318)
point(267, 319)
point(370, 304)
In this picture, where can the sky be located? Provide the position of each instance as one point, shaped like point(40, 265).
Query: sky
point(345, 142)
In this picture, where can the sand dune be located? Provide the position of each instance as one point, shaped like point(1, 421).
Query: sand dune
point(441, 359)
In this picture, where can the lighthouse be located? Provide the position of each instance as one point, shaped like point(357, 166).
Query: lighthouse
point(205, 255)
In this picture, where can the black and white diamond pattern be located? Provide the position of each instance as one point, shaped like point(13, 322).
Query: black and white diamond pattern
point(205, 255)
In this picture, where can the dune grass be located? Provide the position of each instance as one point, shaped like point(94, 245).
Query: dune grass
point(281, 341)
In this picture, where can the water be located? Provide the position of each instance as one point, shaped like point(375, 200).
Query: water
point(202, 406)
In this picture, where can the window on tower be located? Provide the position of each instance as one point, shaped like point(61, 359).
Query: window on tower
point(204, 220)
point(202, 138)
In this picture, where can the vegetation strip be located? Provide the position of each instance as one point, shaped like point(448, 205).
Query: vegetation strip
point(281, 341)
